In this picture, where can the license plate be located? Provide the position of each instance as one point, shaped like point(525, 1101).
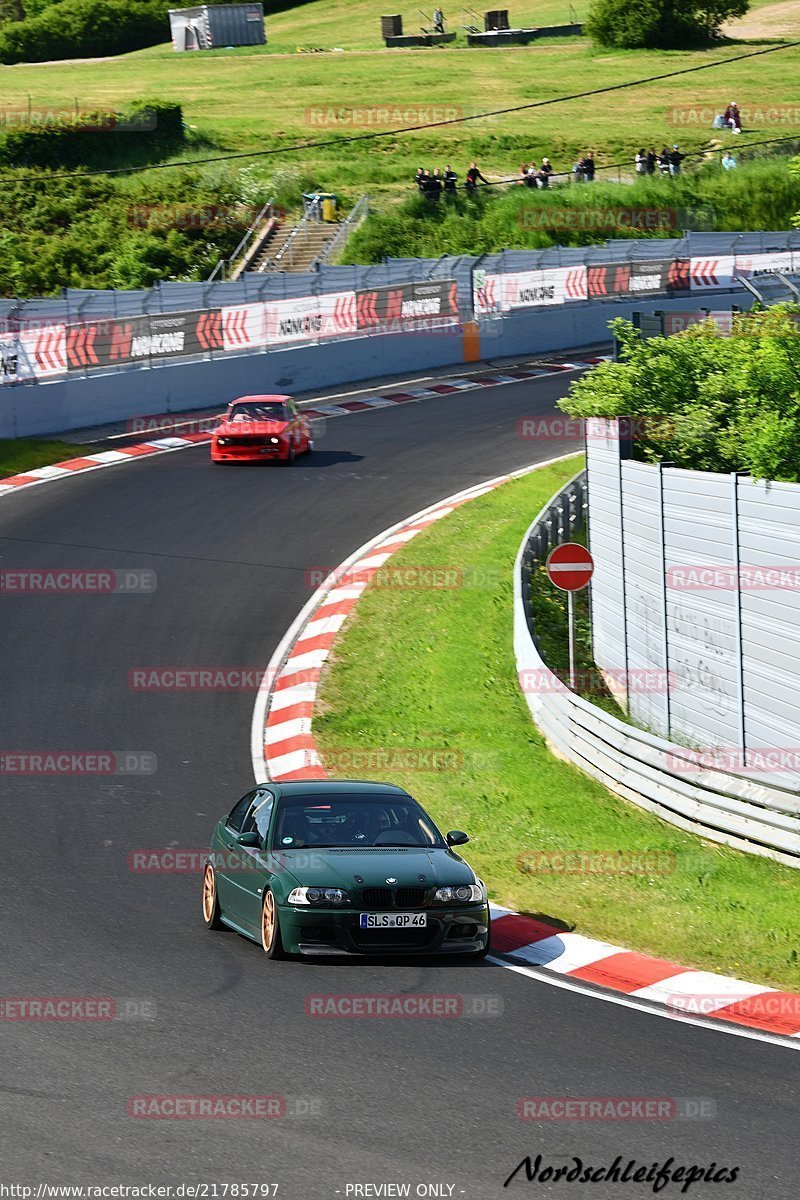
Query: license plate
point(393, 920)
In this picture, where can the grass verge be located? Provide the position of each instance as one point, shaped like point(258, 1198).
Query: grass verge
point(420, 670)
point(18, 455)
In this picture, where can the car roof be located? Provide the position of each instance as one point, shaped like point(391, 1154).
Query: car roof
point(260, 399)
point(334, 787)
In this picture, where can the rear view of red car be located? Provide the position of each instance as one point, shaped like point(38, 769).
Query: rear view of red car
point(260, 428)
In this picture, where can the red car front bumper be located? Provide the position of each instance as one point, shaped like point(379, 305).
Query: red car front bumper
point(256, 452)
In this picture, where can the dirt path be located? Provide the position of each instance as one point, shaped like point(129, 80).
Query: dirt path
point(773, 20)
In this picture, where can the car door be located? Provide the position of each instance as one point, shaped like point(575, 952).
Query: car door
point(225, 851)
point(249, 880)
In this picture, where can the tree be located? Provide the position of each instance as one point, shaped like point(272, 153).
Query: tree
point(660, 24)
point(706, 401)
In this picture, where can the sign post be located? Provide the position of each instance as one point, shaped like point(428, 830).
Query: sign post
point(569, 568)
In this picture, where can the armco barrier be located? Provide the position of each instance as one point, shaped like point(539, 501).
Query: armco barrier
point(89, 357)
point(735, 809)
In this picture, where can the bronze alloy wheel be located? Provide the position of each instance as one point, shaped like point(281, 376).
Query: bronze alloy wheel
point(210, 900)
point(270, 929)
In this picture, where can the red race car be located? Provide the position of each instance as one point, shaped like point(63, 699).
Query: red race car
point(258, 428)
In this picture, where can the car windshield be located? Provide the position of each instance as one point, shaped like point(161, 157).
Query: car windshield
point(259, 412)
point(357, 820)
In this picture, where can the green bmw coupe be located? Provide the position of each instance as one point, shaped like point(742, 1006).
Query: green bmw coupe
point(338, 867)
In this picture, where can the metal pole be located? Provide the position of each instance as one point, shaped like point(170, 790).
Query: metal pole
point(571, 619)
point(663, 548)
point(737, 595)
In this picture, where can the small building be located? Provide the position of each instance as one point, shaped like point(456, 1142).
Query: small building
point(209, 26)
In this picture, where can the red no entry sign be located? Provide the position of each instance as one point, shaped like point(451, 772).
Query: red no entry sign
point(569, 567)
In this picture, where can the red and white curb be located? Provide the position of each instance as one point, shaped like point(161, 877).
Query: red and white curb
point(94, 462)
point(164, 445)
point(283, 748)
point(683, 992)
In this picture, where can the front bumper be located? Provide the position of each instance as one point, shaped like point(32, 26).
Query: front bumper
point(326, 931)
point(253, 453)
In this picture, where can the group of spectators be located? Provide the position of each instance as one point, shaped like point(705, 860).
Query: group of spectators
point(539, 177)
point(668, 162)
point(432, 184)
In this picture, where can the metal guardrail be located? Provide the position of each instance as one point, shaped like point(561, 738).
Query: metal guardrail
point(565, 514)
point(225, 265)
point(732, 808)
point(81, 304)
point(358, 213)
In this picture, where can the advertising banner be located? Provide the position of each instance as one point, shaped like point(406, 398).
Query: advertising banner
point(385, 308)
point(113, 342)
point(638, 278)
point(310, 318)
point(528, 289)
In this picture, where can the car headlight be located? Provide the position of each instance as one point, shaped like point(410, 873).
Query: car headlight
point(222, 441)
point(313, 895)
point(467, 893)
point(275, 441)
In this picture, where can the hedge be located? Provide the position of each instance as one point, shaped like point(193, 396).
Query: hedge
point(149, 129)
point(85, 29)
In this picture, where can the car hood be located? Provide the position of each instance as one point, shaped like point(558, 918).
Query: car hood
point(250, 428)
point(339, 868)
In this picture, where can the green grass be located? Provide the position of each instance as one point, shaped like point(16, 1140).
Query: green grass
point(435, 670)
point(18, 455)
point(253, 99)
point(760, 194)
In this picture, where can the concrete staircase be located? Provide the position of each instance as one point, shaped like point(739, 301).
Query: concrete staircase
point(293, 248)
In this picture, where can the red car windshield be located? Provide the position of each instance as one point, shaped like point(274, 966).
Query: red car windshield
point(258, 412)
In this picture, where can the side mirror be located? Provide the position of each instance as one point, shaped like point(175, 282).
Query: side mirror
point(457, 837)
point(249, 839)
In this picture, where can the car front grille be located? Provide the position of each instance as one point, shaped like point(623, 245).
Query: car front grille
point(247, 441)
point(377, 897)
point(385, 897)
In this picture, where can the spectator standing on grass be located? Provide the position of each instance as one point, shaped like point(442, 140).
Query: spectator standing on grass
point(732, 117)
point(418, 178)
point(675, 160)
point(545, 171)
point(728, 161)
point(438, 21)
point(473, 175)
point(578, 172)
point(530, 174)
point(588, 166)
point(436, 184)
point(641, 162)
point(449, 180)
point(663, 161)
point(652, 160)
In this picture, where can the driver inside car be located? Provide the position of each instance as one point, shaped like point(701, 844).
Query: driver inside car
point(371, 824)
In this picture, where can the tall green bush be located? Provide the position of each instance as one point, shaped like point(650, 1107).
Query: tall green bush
point(85, 29)
point(151, 129)
point(706, 400)
point(660, 24)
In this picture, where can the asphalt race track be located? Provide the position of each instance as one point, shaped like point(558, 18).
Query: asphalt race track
point(368, 1101)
